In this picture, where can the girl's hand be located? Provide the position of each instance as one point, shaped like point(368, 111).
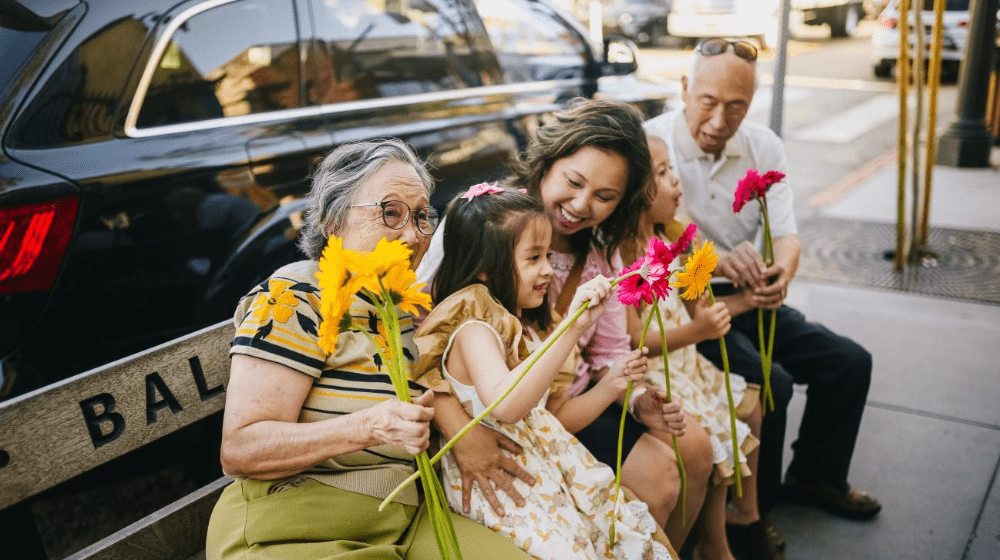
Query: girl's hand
point(401, 424)
point(656, 413)
point(710, 321)
point(596, 292)
point(630, 367)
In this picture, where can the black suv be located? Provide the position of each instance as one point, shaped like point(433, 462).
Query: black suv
point(155, 152)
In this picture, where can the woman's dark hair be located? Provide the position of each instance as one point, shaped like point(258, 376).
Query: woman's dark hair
point(607, 125)
point(479, 240)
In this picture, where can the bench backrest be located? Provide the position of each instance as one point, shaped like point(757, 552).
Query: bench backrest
point(57, 432)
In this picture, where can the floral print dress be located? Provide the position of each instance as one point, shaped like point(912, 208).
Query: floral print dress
point(568, 510)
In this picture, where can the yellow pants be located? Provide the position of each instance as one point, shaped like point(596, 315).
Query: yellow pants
point(309, 520)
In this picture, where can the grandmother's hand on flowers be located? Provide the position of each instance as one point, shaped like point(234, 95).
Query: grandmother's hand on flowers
point(631, 367)
point(743, 265)
point(710, 321)
point(595, 291)
point(401, 424)
point(653, 410)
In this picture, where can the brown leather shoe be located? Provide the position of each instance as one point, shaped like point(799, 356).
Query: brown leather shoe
point(775, 536)
point(850, 503)
point(752, 542)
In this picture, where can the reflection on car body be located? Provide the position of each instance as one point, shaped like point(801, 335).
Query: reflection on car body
point(143, 193)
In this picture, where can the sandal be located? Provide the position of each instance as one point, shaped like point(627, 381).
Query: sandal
point(753, 541)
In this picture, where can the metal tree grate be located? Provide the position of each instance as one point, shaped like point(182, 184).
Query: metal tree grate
point(966, 263)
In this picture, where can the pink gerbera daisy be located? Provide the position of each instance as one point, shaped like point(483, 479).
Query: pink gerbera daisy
point(635, 288)
point(748, 188)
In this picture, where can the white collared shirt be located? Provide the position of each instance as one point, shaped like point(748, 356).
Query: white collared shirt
point(709, 184)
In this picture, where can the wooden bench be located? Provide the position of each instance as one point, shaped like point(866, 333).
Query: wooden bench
point(59, 432)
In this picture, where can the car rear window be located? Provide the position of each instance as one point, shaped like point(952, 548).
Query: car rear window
point(236, 59)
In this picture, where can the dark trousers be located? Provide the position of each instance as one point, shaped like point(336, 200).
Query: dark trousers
point(837, 373)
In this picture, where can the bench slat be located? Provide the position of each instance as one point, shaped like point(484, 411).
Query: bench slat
point(65, 429)
point(175, 532)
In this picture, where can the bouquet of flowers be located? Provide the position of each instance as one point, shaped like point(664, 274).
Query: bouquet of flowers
point(754, 187)
point(384, 279)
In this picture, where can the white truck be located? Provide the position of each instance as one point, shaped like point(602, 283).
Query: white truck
point(758, 19)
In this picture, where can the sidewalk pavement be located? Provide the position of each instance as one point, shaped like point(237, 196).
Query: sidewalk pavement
point(929, 446)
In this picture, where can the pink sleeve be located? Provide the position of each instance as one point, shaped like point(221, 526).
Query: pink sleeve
point(608, 339)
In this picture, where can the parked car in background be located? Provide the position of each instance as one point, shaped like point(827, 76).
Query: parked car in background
point(155, 152)
point(885, 39)
point(758, 19)
point(643, 21)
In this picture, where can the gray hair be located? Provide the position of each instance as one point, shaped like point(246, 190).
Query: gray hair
point(338, 180)
point(696, 59)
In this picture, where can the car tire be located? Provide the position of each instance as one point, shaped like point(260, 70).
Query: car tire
point(883, 69)
point(846, 22)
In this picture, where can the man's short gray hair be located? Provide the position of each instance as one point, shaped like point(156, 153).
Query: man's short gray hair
point(339, 179)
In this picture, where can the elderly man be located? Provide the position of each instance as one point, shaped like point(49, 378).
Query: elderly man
point(712, 148)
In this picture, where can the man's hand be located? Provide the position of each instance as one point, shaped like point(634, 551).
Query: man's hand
point(480, 458)
point(772, 295)
point(743, 265)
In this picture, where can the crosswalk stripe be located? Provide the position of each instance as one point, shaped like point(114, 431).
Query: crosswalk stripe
point(847, 126)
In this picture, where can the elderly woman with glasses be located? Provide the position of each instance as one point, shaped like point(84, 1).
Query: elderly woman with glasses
point(316, 440)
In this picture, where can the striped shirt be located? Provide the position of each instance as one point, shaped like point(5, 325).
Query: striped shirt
point(278, 321)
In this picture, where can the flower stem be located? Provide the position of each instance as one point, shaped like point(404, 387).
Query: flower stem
point(737, 467)
point(673, 438)
point(767, 395)
point(621, 436)
point(437, 506)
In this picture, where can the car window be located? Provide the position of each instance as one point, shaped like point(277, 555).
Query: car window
point(80, 97)
point(236, 59)
point(366, 49)
point(16, 46)
point(531, 42)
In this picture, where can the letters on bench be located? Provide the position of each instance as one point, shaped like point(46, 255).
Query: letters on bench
point(65, 429)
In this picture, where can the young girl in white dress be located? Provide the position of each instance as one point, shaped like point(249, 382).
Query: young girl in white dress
point(495, 269)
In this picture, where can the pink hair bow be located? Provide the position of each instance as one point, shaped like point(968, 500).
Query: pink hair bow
point(481, 188)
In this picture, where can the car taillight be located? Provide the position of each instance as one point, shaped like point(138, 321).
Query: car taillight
point(888, 23)
point(33, 241)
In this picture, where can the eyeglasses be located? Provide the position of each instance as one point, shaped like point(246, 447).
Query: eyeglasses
point(396, 214)
point(742, 49)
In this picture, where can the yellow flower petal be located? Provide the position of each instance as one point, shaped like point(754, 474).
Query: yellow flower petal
point(282, 313)
point(697, 272)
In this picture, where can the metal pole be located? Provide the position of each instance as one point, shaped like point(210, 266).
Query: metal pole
point(596, 23)
point(903, 75)
point(778, 87)
point(934, 82)
point(966, 143)
point(918, 115)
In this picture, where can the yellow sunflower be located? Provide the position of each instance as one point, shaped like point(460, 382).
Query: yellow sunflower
point(697, 271)
point(369, 267)
point(337, 289)
point(278, 302)
point(399, 282)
